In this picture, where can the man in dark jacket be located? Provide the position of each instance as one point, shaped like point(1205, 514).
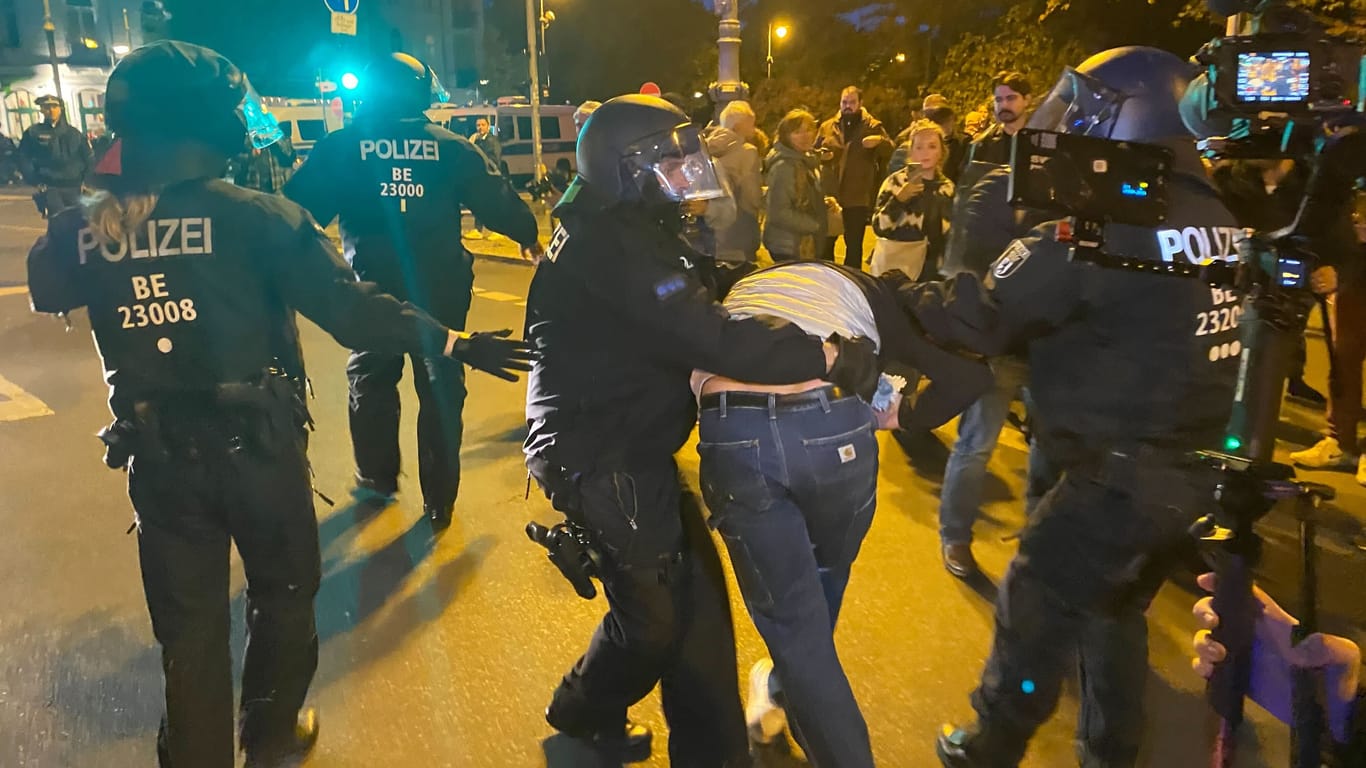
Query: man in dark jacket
point(854, 150)
point(488, 143)
point(1010, 95)
point(397, 182)
point(54, 156)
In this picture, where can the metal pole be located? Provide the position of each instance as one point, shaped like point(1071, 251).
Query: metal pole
point(770, 50)
point(545, 56)
point(531, 22)
point(127, 31)
point(51, 30)
point(728, 86)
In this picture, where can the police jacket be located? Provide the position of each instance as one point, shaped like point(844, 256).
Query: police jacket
point(398, 186)
point(56, 155)
point(1117, 358)
point(204, 292)
point(620, 319)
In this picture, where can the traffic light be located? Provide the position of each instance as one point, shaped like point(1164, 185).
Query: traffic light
point(349, 81)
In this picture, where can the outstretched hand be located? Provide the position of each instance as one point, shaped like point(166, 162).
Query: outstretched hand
point(1275, 658)
point(493, 352)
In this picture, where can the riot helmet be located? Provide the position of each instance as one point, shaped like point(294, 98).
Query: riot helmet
point(640, 148)
point(1128, 94)
point(400, 85)
point(200, 82)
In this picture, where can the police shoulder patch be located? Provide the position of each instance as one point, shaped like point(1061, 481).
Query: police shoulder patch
point(557, 242)
point(1016, 254)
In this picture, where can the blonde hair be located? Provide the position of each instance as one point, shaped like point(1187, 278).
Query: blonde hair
point(114, 219)
point(928, 126)
point(734, 112)
point(792, 122)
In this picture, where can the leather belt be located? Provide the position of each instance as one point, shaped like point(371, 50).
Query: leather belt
point(741, 399)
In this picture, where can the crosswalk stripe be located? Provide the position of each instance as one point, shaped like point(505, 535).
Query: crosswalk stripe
point(24, 228)
point(499, 296)
point(16, 404)
point(13, 290)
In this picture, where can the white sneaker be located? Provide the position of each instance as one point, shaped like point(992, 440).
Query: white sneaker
point(474, 234)
point(766, 720)
point(1361, 470)
point(1325, 454)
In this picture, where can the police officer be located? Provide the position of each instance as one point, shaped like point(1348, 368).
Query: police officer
point(55, 157)
point(397, 181)
point(1129, 372)
point(620, 317)
point(192, 284)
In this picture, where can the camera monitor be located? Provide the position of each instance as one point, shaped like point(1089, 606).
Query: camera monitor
point(1090, 178)
point(1273, 77)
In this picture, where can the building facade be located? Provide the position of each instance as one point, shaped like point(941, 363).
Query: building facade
point(447, 34)
point(90, 36)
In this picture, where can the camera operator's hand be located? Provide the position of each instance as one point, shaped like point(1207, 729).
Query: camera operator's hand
point(1274, 658)
point(852, 365)
point(491, 352)
point(1323, 281)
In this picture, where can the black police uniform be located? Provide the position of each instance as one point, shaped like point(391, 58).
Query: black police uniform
point(621, 319)
point(1129, 372)
point(191, 314)
point(398, 185)
point(56, 156)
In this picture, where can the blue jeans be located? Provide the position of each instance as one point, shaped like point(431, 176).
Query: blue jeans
point(978, 431)
point(791, 484)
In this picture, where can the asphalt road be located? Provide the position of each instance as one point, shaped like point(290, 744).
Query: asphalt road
point(443, 653)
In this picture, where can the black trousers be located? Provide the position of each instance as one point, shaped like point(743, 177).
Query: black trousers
point(1094, 553)
point(212, 487)
point(855, 226)
point(61, 198)
point(375, 405)
point(668, 621)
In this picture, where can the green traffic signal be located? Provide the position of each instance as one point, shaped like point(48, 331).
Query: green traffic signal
point(1232, 443)
point(349, 81)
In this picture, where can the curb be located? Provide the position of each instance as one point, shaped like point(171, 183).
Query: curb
point(517, 260)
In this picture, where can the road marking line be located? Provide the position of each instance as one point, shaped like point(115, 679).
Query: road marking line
point(521, 303)
point(16, 404)
point(24, 228)
point(476, 291)
point(13, 290)
point(500, 296)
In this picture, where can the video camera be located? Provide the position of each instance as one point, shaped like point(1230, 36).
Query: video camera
point(1093, 181)
point(1273, 81)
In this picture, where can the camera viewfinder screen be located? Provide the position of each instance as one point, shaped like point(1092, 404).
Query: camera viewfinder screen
point(1269, 77)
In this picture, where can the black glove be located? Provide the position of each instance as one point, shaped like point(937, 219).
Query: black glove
point(494, 353)
point(856, 368)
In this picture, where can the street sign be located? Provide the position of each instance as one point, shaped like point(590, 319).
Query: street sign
point(326, 86)
point(342, 6)
point(343, 23)
point(650, 89)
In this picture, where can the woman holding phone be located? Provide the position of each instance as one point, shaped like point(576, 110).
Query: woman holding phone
point(911, 215)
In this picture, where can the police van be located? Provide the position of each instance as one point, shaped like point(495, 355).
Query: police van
point(305, 121)
point(510, 120)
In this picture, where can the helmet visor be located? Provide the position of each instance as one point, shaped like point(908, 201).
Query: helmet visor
point(1079, 104)
point(439, 93)
point(679, 162)
point(262, 127)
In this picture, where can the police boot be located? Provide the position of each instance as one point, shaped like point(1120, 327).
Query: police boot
point(628, 743)
point(957, 748)
point(438, 515)
point(291, 750)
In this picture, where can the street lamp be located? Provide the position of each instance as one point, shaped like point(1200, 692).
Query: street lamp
point(779, 32)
